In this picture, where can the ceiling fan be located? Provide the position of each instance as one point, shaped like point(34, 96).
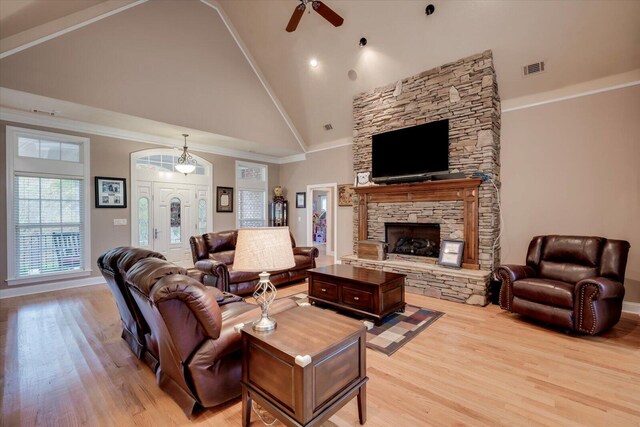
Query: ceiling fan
point(324, 11)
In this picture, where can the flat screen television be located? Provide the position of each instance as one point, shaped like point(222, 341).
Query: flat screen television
point(411, 154)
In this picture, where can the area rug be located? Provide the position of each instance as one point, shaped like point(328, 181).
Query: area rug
point(396, 330)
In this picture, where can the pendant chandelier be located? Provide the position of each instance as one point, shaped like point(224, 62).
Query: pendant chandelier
point(186, 163)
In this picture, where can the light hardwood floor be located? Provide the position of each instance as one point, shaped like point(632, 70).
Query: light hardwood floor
point(63, 363)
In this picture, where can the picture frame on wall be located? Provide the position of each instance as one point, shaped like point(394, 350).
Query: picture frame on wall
point(224, 199)
point(345, 195)
point(301, 200)
point(451, 253)
point(110, 192)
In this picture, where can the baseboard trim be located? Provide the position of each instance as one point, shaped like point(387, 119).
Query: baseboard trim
point(631, 307)
point(49, 287)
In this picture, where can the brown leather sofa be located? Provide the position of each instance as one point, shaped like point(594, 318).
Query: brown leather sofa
point(114, 265)
point(574, 282)
point(213, 254)
point(199, 350)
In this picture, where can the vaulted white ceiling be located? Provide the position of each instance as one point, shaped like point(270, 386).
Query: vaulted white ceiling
point(175, 65)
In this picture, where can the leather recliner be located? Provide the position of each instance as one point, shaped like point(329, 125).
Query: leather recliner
point(213, 254)
point(113, 265)
point(200, 352)
point(574, 282)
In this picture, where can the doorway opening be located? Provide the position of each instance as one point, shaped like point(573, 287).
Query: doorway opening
point(168, 207)
point(322, 220)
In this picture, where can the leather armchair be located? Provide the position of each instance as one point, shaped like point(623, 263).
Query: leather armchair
point(213, 254)
point(574, 282)
point(113, 265)
point(200, 352)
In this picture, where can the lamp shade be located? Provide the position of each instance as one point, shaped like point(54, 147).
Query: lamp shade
point(263, 249)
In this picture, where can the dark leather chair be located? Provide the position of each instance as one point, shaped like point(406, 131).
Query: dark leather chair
point(574, 282)
point(114, 265)
point(200, 352)
point(213, 254)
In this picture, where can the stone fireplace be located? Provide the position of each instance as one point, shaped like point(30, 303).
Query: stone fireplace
point(465, 92)
point(413, 239)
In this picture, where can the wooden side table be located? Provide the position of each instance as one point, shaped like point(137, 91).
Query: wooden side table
point(305, 370)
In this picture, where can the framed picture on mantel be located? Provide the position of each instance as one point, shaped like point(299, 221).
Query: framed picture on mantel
point(451, 253)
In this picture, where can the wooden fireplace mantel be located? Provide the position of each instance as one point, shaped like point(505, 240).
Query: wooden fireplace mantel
point(465, 189)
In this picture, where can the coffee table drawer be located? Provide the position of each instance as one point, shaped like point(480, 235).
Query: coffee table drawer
point(357, 298)
point(324, 290)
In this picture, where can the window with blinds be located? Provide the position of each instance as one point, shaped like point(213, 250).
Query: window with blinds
point(48, 220)
point(251, 182)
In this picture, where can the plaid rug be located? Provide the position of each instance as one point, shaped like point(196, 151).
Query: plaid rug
point(396, 330)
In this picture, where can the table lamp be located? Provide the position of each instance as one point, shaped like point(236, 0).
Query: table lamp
point(264, 249)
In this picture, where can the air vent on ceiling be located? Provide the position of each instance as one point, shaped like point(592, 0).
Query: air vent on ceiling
point(536, 67)
point(328, 126)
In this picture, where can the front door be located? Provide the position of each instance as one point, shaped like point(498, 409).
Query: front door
point(173, 220)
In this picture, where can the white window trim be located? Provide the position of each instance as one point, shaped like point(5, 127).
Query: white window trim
point(266, 190)
point(12, 134)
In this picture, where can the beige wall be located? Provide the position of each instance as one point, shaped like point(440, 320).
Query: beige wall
point(322, 167)
point(111, 157)
point(573, 167)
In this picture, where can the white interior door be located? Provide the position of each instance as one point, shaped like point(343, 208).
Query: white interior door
point(174, 220)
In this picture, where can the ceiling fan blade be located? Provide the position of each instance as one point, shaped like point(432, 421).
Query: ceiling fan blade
point(295, 18)
point(328, 14)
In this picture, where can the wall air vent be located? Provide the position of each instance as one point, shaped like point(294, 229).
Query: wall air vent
point(50, 113)
point(328, 126)
point(535, 68)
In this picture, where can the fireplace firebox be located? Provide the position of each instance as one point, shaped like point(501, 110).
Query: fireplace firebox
point(417, 239)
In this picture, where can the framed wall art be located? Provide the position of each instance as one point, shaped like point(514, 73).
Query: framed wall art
point(110, 192)
point(224, 199)
point(345, 195)
point(301, 200)
point(451, 253)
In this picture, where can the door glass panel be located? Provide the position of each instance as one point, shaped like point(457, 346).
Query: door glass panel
point(143, 221)
point(202, 216)
point(175, 220)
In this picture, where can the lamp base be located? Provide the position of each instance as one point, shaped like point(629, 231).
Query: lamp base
point(264, 324)
point(264, 294)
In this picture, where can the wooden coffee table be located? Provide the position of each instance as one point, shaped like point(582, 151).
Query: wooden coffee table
point(372, 293)
point(305, 370)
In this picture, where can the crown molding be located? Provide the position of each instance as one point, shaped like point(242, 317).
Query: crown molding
point(293, 158)
point(213, 4)
point(17, 116)
point(592, 87)
point(69, 29)
point(337, 143)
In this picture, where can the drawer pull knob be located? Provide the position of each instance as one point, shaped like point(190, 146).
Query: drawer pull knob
point(356, 298)
point(324, 290)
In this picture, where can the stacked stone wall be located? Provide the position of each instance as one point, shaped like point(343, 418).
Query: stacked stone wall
point(466, 93)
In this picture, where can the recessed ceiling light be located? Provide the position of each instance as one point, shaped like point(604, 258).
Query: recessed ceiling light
point(313, 62)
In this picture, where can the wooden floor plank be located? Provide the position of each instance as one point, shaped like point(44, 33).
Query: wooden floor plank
point(64, 363)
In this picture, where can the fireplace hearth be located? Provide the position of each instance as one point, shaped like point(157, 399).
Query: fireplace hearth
point(416, 239)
